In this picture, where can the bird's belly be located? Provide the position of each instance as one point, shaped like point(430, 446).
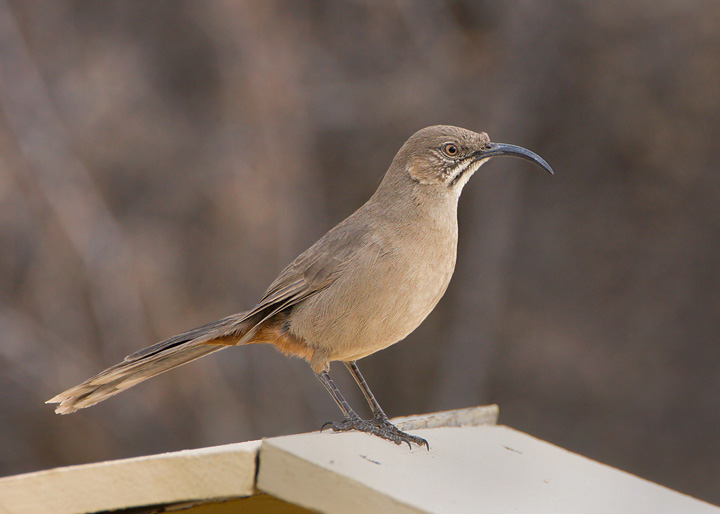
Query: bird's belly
point(372, 307)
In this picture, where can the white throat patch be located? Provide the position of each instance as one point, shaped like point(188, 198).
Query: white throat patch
point(462, 173)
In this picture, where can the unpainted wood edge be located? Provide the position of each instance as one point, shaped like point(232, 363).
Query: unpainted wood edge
point(472, 417)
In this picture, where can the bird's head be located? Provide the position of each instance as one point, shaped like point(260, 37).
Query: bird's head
point(443, 155)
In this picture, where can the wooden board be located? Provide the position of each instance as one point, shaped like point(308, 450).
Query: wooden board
point(469, 469)
point(218, 472)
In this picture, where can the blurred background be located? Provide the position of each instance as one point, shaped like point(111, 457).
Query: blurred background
point(161, 162)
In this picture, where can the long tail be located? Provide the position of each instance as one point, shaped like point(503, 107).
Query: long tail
point(152, 361)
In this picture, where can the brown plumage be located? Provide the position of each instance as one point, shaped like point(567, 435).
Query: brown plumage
point(363, 286)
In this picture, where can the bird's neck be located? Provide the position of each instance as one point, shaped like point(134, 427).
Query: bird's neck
point(427, 209)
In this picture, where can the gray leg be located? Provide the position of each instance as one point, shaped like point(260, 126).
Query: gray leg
point(380, 419)
point(353, 422)
point(367, 393)
point(324, 377)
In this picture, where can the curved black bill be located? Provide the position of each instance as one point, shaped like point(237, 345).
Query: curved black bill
point(497, 149)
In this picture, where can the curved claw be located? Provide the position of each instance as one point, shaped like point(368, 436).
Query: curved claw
point(379, 427)
point(381, 421)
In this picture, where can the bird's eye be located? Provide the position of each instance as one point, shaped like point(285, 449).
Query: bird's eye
point(450, 149)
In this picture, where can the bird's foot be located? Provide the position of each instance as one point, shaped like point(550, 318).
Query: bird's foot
point(381, 421)
point(378, 426)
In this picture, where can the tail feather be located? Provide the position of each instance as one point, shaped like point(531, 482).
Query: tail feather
point(124, 375)
point(232, 325)
point(152, 361)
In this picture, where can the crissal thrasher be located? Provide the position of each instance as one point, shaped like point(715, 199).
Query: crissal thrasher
point(363, 286)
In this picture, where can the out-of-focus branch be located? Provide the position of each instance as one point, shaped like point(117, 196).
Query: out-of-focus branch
point(67, 187)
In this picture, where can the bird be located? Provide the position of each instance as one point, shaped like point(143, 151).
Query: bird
point(365, 285)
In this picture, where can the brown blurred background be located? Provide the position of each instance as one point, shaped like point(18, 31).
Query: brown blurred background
point(161, 162)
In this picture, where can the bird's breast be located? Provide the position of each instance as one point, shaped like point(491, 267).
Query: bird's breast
point(389, 287)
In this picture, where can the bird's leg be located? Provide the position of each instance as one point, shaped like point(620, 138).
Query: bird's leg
point(353, 422)
point(380, 419)
point(378, 415)
point(325, 379)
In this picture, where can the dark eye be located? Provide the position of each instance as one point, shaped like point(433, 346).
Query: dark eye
point(450, 149)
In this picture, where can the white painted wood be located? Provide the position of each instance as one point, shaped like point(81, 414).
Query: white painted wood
point(471, 469)
point(218, 472)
